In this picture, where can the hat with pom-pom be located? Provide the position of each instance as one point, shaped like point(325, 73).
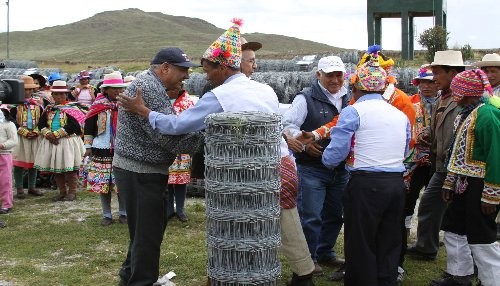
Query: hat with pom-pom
point(226, 50)
point(370, 76)
point(384, 61)
point(424, 73)
point(470, 83)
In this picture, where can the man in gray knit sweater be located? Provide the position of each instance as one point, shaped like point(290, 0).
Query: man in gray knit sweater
point(141, 160)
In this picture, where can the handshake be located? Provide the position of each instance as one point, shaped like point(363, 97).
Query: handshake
point(304, 142)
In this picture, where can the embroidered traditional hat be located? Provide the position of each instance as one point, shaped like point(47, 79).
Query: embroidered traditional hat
point(84, 74)
point(29, 83)
point(370, 76)
point(59, 86)
point(226, 50)
point(448, 58)
point(254, 46)
point(384, 61)
point(489, 60)
point(113, 79)
point(470, 83)
point(423, 73)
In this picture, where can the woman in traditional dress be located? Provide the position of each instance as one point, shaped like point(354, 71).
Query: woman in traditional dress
point(62, 149)
point(27, 116)
point(99, 138)
point(179, 173)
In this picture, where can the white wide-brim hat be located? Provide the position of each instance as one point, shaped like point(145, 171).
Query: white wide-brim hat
point(489, 60)
point(448, 58)
point(59, 86)
point(113, 79)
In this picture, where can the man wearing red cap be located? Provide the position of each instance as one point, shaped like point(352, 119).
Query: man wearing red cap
point(472, 184)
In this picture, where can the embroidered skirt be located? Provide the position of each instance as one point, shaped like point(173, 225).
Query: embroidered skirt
point(100, 178)
point(25, 151)
point(64, 157)
point(179, 172)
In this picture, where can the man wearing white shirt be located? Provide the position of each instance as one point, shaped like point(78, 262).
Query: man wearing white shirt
point(320, 189)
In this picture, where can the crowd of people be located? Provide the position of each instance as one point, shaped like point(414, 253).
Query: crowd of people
point(356, 152)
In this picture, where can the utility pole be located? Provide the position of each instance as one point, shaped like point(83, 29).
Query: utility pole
point(8, 30)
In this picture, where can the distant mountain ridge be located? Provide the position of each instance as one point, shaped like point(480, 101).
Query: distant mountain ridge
point(132, 34)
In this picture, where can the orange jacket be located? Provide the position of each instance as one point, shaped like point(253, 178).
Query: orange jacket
point(399, 99)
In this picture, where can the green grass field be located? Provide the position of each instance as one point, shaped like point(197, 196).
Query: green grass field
point(62, 243)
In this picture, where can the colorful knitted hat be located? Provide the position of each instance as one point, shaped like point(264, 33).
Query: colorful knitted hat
point(370, 76)
point(226, 50)
point(384, 61)
point(470, 83)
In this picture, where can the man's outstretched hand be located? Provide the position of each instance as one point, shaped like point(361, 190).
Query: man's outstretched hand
point(134, 104)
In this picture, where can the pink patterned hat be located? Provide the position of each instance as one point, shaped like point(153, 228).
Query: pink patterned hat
point(226, 50)
point(113, 79)
point(470, 83)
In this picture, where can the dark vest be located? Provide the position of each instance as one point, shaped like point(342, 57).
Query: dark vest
point(320, 111)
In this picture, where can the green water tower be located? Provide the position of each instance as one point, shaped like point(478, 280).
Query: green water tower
point(406, 10)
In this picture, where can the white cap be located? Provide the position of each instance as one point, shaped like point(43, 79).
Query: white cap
point(330, 64)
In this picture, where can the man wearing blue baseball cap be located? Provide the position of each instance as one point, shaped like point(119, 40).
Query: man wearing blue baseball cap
point(140, 164)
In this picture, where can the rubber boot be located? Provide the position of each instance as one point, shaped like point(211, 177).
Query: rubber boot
point(61, 186)
point(304, 280)
point(72, 180)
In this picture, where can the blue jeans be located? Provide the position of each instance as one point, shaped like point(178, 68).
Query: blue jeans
point(320, 207)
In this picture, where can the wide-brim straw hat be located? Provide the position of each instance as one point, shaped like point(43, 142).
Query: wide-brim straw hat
point(59, 86)
point(29, 82)
point(448, 58)
point(113, 79)
point(489, 60)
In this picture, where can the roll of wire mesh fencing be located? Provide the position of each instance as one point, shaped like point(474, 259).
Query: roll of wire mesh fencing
point(242, 186)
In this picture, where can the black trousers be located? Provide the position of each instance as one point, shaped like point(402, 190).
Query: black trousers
point(464, 216)
point(419, 179)
point(146, 202)
point(373, 210)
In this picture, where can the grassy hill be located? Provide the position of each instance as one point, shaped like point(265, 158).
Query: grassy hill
point(134, 35)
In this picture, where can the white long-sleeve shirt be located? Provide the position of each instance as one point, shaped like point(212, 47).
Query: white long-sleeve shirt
point(295, 116)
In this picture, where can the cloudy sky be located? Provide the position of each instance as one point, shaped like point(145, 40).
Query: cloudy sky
point(337, 23)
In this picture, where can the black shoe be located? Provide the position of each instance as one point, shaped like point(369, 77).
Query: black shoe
point(415, 253)
point(123, 219)
point(305, 280)
point(338, 275)
point(333, 262)
point(106, 221)
point(4, 210)
point(318, 270)
point(451, 280)
point(182, 217)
